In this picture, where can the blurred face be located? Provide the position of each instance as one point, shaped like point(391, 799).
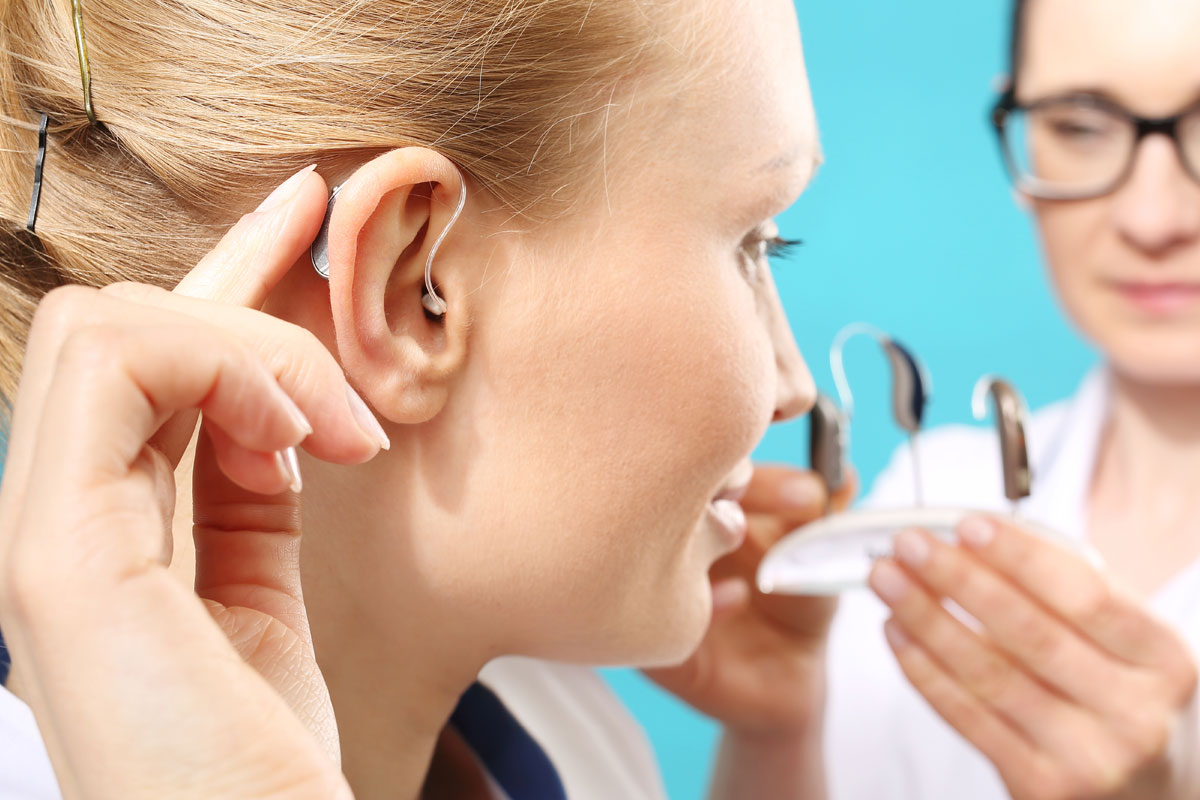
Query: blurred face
point(624, 361)
point(1126, 265)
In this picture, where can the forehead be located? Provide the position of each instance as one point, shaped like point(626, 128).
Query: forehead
point(1144, 53)
point(741, 113)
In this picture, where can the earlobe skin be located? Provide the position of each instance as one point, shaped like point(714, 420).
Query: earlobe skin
point(387, 216)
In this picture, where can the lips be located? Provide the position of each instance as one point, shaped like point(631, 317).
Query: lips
point(1159, 298)
point(730, 519)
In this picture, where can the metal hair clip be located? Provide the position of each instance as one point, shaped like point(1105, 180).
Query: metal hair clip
point(433, 303)
point(910, 395)
point(1011, 416)
point(39, 165)
point(85, 70)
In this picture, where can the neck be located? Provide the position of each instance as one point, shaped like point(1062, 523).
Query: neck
point(1150, 449)
point(394, 659)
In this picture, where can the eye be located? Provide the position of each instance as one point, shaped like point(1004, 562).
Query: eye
point(762, 245)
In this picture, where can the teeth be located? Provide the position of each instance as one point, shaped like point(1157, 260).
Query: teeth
point(730, 512)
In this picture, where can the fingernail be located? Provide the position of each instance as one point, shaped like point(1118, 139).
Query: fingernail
point(285, 191)
point(801, 492)
point(729, 594)
point(366, 420)
point(289, 466)
point(911, 548)
point(976, 531)
point(296, 415)
point(888, 582)
point(896, 636)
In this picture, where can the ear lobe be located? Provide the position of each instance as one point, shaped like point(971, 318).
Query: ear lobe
point(386, 219)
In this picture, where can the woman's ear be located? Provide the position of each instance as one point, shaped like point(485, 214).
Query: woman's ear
point(386, 218)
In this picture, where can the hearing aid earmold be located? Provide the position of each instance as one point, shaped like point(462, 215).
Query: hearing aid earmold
point(430, 300)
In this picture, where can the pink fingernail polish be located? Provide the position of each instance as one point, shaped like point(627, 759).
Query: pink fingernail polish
point(297, 416)
point(366, 420)
point(284, 191)
point(896, 636)
point(888, 582)
point(911, 548)
point(801, 492)
point(289, 466)
point(976, 531)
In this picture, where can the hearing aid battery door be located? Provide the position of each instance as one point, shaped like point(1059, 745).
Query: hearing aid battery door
point(835, 554)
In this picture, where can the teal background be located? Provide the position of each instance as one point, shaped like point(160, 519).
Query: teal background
point(909, 225)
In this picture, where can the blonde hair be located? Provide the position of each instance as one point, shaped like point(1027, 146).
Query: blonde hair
point(203, 105)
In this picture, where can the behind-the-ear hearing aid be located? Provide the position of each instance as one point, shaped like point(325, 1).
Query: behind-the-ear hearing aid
point(1011, 416)
point(827, 442)
point(432, 302)
point(829, 427)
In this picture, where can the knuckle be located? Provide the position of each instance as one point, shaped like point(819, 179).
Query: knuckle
point(991, 679)
point(21, 586)
point(1093, 605)
point(91, 346)
point(61, 308)
point(132, 290)
point(1043, 642)
point(1181, 677)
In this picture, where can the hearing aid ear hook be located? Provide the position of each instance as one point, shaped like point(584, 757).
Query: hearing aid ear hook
point(911, 388)
point(1011, 415)
point(434, 304)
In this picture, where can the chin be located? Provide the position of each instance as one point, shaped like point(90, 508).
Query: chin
point(1164, 357)
point(681, 626)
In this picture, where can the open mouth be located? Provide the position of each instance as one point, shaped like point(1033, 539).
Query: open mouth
point(726, 511)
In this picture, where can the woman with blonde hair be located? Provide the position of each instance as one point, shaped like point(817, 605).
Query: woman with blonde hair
point(567, 380)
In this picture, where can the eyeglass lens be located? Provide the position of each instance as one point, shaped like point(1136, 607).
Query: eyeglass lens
point(1073, 149)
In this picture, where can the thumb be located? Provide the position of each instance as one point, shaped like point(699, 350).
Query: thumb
point(793, 496)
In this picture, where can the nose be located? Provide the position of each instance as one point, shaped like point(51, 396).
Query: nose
point(795, 393)
point(1158, 208)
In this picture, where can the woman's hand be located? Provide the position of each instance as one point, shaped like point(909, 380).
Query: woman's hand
point(141, 688)
point(1067, 684)
point(759, 669)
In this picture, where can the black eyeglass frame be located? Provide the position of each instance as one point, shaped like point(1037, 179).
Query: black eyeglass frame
point(1007, 103)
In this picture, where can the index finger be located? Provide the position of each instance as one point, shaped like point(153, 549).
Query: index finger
point(794, 496)
point(1074, 590)
point(259, 250)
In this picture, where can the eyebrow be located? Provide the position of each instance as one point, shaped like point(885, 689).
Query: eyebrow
point(788, 158)
point(1100, 93)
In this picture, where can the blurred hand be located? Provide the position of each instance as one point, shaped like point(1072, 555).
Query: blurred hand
point(1068, 686)
point(142, 688)
point(760, 668)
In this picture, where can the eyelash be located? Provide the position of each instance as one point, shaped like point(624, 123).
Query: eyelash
point(756, 247)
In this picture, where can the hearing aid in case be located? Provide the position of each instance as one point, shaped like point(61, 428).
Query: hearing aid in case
point(829, 425)
point(834, 554)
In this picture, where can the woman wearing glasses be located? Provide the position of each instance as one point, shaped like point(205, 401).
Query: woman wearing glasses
point(1070, 684)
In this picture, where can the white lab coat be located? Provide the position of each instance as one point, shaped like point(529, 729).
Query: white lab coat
point(882, 740)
